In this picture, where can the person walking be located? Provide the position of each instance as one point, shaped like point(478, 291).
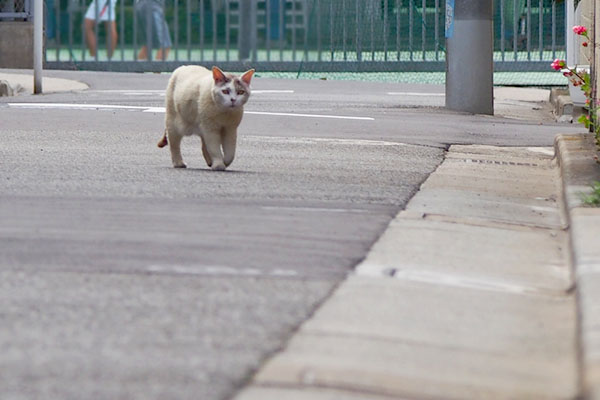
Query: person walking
point(154, 29)
point(101, 11)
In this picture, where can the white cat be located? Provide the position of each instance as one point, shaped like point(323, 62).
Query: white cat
point(209, 104)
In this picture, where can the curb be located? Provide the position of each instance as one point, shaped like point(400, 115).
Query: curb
point(24, 83)
point(563, 108)
point(578, 171)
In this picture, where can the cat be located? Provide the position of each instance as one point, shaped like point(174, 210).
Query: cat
point(209, 104)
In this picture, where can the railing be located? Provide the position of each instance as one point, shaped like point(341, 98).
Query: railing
point(307, 35)
point(15, 10)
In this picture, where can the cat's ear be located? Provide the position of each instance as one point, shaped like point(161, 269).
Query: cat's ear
point(218, 75)
point(247, 76)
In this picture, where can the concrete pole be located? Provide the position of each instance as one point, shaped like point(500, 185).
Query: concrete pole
point(38, 41)
point(247, 35)
point(469, 56)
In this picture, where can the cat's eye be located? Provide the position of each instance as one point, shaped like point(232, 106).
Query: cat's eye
point(225, 91)
point(241, 92)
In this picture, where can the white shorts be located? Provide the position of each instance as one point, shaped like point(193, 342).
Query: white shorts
point(106, 10)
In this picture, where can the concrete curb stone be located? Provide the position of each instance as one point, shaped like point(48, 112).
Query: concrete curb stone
point(24, 83)
point(578, 170)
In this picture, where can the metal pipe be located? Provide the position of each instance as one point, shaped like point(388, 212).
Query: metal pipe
point(423, 23)
point(437, 30)
point(358, 33)
point(502, 31)
point(469, 58)
point(410, 29)
point(38, 40)
point(528, 27)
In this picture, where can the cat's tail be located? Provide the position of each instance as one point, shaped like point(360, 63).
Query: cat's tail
point(163, 142)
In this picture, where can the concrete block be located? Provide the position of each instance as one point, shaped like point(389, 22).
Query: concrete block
point(488, 207)
point(411, 311)
point(589, 289)
point(417, 369)
point(16, 44)
point(469, 254)
point(402, 338)
point(511, 185)
point(578, 168)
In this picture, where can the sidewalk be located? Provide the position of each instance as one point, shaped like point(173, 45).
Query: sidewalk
point(485, 244)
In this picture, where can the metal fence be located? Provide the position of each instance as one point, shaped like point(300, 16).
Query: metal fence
point(294, 35)
point(15, 10)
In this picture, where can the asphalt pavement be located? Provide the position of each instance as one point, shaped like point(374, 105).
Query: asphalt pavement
point(125, 278)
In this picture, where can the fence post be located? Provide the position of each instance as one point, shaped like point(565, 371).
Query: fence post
point(247, 33)
point(38, 39)
point(469, 56)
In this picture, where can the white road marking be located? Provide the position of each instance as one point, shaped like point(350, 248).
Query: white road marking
point(415, 94)
point(217, 270)
point(310, 115)
point(162, 110)
point(302, 140)
point(69, 106)
point(259, 91)
point(161, 92)
point(316, 209)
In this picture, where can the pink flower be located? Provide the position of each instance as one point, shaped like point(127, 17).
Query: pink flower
point(580, 30)
point(558, 64)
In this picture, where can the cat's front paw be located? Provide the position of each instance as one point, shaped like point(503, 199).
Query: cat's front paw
point(179, 165)
point(218, 166)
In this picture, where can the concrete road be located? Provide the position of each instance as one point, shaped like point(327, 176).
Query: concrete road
point(121, 277)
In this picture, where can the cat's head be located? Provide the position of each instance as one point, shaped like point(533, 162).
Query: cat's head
point(230, 91)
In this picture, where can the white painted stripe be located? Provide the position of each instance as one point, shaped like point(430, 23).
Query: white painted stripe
point(415, 94)
point(162, 110)
point(263, 91)
point(70, 106)
point(155, 110)
point(316, 209)
point(217, 270)
point(128, 91)
point(162, 91)
point(303, 140)
point(309, 115)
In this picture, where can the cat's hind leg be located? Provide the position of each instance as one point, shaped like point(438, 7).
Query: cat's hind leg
point(175, 147)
